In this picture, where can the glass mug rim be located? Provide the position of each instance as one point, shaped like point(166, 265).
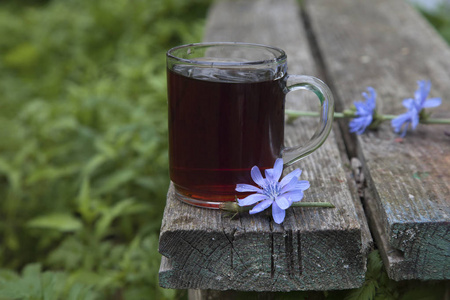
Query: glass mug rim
point(279, 58)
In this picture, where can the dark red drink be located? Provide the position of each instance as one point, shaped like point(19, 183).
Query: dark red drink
point(219, 128)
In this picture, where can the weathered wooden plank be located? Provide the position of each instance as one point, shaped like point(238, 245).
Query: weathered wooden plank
point(389, 46)
point(238, 295)
point(314, 249)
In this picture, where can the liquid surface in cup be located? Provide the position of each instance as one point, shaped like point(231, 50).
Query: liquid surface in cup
point(221, 126)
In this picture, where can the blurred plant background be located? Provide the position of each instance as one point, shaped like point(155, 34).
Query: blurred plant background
point(437, 12)
point(83, 127)
point(83, 148)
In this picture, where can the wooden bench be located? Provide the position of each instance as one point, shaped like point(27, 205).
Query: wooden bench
point(351, 45)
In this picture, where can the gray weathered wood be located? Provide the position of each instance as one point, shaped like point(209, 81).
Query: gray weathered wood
point(389, 46)
point(237, 295)
point(314, 249)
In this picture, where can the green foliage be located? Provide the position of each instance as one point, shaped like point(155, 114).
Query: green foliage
point(378, 286)
point(35, 284)
point(440, 19)
point(83, 143)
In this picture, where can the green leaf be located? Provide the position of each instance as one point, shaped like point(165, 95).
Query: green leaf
point(122, 208)
point(22, 56)
point(374, 263)
point(115, 180)
point(53, 284)
point(85, 202)
point(57, 221)
point(69, 254)
point(81, 292)
point(93, 164)
point(51, 173)
point(7, 275)
point(366, 292)
point(27, 286)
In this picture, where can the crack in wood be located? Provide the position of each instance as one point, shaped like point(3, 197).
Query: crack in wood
point(192, 247)
point(288, 242)
point(299, 253)
point(202, 266)
point(272, 252)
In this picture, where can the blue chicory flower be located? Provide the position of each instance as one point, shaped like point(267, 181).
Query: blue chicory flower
point(364, 112)
point(415, 106)
point(271, 191)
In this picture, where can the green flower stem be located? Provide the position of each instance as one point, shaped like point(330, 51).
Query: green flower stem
point(296, 113)
point(235, 208)
point(435, 121)
point(386, 117)
point(292, 114)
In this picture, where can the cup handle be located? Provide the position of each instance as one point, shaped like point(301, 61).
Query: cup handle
point(302, 82)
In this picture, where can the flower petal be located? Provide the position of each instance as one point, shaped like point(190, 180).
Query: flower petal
point(277, 169)
point(294, 196)
point(261, 206)
point(360, 124)
point(361, 108)
point(414, 119)
point(242, 187)
point(364, 112)
point(400, 120)
point(408, 103)
point(286, 179)
point(252, 199)
point(405, 128)
point(421, 93)
point(290, 186)
point(278, 214)
point(356, 124)
point(282, 202)
point(257, 177)
point(371, 98)
point(433, 102)
point(302, 185)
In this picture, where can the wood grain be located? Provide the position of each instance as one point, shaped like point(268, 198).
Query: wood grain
point(314, 249)
point(389, 46)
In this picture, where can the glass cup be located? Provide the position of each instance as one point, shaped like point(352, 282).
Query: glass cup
point(226, 115)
